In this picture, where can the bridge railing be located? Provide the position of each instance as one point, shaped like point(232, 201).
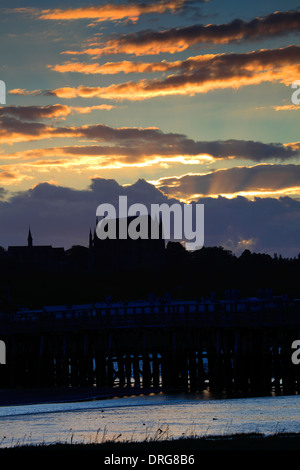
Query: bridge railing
point(173, 315)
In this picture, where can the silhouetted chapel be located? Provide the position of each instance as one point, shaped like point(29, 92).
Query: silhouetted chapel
point(109, 255)
point(40, 257)
point(126, 254)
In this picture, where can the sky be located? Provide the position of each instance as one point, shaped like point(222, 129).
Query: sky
point(166, 101)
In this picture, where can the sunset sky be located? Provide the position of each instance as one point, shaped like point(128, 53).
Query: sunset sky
point(172, 99)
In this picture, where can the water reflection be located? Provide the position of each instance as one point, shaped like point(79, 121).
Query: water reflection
point(147, 417)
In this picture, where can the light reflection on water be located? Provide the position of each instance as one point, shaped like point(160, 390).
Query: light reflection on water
point(146, 417)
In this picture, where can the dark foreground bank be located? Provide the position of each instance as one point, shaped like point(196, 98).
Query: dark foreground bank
point(181, 446)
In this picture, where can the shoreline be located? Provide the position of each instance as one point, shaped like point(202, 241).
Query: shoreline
point(196, 445)
point(283, 441)
point(37, 396)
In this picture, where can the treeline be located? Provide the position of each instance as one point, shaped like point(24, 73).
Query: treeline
point(210, 271)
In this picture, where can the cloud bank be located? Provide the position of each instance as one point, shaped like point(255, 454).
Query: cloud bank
point(196, 75)
point(260, 178)
point(113, 11)
point(179, 39)
point(63, 217)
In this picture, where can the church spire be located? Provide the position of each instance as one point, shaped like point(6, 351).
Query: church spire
point(29, 238)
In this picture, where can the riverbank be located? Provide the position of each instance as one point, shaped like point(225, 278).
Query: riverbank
point(43, 395)
point(179, 424)
point(188, 446)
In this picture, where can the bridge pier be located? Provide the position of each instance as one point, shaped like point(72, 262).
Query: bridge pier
point(171, 352)
point(136, 370)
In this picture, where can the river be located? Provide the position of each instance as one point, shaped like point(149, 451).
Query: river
point(156, 416)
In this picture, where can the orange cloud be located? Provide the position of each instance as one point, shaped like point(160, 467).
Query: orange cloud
point(35, 113)
point(286, 107)
point(104, 156)
point(4, 175)
point(89, 109)
point(10, 175)
point(262, 180)
point(139, 148)
point(202, 74)
point(22, 91)
point(113, 12)
point(179, 39)
point(15, 130)
point(21, 123)
point(133, 146)
point(293, 145)
point(111, 68)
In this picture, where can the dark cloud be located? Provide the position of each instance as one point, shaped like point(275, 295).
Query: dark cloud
point(139, 142)
point(157, 143)
point(178, 39)
point(230, 67)
point(201, 74)
point(265, 225)
point(234, 180)
point(209, 64)
point(34, 113)
point(12, 128)
point(7, 175)
point(3, 192)
point(63, 216)
point(136, 144)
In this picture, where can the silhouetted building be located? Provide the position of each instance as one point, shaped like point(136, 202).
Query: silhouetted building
point(109, 255)
point(127, 254)
point(37, 258)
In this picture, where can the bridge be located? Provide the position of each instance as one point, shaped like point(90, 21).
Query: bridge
point(237, 345)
